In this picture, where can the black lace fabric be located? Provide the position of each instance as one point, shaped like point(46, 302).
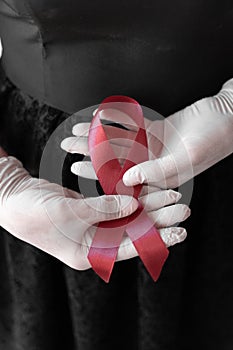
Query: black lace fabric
point(45, 305)
point(27, 124)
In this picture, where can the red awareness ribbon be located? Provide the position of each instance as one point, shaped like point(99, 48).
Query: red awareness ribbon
point(139, 227)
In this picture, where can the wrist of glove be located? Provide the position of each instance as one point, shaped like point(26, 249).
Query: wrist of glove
point(224, 99)
point(12, 175)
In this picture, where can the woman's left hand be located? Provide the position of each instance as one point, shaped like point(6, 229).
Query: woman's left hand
point(180, 147)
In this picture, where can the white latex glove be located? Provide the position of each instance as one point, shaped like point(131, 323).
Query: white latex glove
point(57, 220)
point(192, 140)
point(181, 146)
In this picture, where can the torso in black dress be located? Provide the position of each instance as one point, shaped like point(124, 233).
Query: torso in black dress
point(60, 57)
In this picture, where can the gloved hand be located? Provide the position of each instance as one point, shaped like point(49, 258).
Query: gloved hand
point(181, 146)
point(57, 220)
point(188, 142)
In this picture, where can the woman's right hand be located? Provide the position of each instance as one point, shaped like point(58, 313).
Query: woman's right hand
point(57, 220)
point(62, 222)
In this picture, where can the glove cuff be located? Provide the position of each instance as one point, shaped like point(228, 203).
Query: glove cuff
point(12, 173)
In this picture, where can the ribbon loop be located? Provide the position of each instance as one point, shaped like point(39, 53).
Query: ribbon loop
point(138, 226)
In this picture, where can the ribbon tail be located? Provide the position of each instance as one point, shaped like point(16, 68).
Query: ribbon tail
point(152, 252)
point(148, 243)
point(102, 261)
point(104, 249)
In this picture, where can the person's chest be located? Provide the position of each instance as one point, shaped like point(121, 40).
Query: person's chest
point(176, 50)
point(153, 19)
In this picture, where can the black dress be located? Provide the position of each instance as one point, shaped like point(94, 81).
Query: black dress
point(60, 57)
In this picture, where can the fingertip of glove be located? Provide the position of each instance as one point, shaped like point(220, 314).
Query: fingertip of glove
point(130, 178)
